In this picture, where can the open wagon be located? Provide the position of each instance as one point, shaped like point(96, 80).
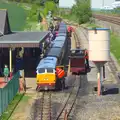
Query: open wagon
point(78, 64)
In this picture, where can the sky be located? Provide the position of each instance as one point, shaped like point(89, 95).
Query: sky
point(66, 3)
point(100, 3)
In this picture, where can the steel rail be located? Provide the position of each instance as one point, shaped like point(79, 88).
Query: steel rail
point(112, 19)
point(69, 100)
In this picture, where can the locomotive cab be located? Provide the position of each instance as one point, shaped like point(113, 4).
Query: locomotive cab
point(46, 78)
point(78, 62)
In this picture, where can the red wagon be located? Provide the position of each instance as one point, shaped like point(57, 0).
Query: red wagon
point(78, 64)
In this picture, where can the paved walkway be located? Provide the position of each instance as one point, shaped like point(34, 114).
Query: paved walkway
point(31, 85)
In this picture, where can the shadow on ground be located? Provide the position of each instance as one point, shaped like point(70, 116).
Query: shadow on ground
point(111, 91)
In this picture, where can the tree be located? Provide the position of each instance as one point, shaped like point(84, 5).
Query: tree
point(50, 6)
point(39, 18)
point(82, 10)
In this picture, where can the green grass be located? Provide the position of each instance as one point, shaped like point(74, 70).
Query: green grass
point(88, 25)
point(70, 17)
point(17, 15)
point(115, 45)
point(11, 107)
point(21, 107)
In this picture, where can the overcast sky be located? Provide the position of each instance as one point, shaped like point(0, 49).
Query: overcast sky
point(66, 3)
point(100, 3)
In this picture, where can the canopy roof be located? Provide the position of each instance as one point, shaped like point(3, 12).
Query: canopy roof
point(23, 39)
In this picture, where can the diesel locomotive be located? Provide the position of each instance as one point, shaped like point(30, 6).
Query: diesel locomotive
point(46, 69)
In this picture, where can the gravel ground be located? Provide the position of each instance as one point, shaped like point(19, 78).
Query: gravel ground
point(89, 106)
point(93, 107)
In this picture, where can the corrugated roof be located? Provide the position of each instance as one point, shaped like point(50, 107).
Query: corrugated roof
point(4, 22)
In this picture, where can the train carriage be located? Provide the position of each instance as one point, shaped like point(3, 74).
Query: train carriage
point(62, 31)
point(46, 70)
point(56, 52)
point(62, 34)
point(60, 38)
point(58, 45)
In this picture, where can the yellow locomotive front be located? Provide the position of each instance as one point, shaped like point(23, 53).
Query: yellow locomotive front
point(46, 76)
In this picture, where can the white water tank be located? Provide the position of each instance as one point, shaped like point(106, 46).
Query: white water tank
point(99, 44)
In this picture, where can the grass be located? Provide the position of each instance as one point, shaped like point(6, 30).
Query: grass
point(70, 17)
point(11, 107)
point(113, 13)
point(21, 109)
point(17, 15)
point(115, 45)
point(88, 25)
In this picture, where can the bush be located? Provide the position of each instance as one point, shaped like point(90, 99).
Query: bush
point(83, 10)
point(33, 13)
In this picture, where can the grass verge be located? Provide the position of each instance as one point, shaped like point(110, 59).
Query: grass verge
point(6, 115)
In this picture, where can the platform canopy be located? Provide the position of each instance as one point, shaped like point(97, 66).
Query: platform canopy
point(23, 39)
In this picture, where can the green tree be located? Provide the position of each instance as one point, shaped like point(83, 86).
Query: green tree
point(82, 10)
point(33, 13)
point(50, 6)
point(39, 18)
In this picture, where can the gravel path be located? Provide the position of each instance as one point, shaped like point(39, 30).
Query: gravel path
point(92, 107)
point(89, 106)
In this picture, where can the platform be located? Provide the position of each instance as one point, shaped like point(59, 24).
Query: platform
point(31, 85)
point(2, 82)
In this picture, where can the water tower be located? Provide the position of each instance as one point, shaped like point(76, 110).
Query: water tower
point(99, 50)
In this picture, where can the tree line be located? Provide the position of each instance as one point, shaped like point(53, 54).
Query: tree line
point(81, 11)
point(40, 2)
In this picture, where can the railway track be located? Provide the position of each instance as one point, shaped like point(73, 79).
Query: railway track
point(66, 108)
point(42, 107)
point(114, 69)
point(112, 19)
point(77, 41)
